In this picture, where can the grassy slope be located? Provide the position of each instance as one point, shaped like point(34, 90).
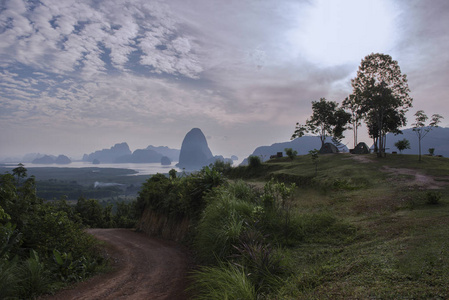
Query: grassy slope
point(401, 248)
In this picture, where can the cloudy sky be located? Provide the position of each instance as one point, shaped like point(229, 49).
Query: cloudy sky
point(82, 75)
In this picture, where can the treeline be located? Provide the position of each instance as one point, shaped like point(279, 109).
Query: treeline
point(55, 189)
point(43, 245)
point(241, 235)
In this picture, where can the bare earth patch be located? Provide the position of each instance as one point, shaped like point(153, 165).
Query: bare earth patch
point(361, 158)
point(144, 268)
point(420, 180)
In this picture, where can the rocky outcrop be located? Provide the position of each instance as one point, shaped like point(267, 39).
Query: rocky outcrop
point(172, 154)
point(165, 161)
point(195, 152)
point(109, 155)
point(140, 156)
point(62, 160)
point(46, 159)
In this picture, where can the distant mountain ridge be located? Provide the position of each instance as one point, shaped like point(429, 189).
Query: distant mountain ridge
point(120, 153)
point(108, 155)
point(303, 145)
point(437, 138)
point(51, 159)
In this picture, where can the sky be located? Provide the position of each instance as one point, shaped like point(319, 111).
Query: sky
point(82, 75)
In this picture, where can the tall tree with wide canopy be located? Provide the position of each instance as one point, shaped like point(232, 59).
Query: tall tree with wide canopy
point(327, 120)
point(382, 93)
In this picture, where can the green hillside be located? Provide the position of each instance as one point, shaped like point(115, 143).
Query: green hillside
point(399, 210)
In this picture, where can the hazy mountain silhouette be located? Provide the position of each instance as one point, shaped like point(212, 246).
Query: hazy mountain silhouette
point(195, 152)
point(437, 138)
point(46, 159)
point(165, 161)
point(109, 155)
point(140, 156)
point(62, 160)
point(172, 154)
point(303, 145)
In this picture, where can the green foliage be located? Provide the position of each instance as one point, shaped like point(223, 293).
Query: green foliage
point(314, 156)
point(29, 225)
point(263, 265)
point(34, 277)
point(9, 280)
point(90, 212)
point(291, 153)
point(381, 96)
point(433, 197)
point(221, 166)
point(326, 120)
point(431, 151)
point(254, 162)
point(421, 129)
point(172, 174)
point(402, 145)
point(70, 269)
point(221, 226)
point(225, 281)
point(178, 197)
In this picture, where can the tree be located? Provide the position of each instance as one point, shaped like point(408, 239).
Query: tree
point(326, 120)
point(402, 145)
point(20, 172)
point(381, 93)
point(420, 128)
point(314, 156)
point(351, 103)
point(291, 153)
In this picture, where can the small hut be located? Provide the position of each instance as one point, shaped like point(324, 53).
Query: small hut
point(361, 148)
point(328, 148)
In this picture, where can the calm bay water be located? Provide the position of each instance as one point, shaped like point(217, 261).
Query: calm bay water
point(141, 169)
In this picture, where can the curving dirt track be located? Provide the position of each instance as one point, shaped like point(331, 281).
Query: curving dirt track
point(144, 268)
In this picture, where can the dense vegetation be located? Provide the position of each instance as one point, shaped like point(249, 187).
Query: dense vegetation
point(43, 245)
point(351, 229)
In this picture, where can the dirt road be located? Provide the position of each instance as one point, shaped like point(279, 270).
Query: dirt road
point(144, 268)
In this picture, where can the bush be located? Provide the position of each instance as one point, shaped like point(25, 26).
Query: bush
point(27, 225)
point(221, 226)
point(254, 161)
point(291, 153)
point(433, 197)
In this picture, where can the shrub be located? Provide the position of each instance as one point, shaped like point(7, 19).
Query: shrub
point(221, 226)
point(402, 145)
point(291, 153)
point(226, 281)
point(9, 281)
point(34, 277)
point(263, 265)
point(433, 197)
point(254, 161)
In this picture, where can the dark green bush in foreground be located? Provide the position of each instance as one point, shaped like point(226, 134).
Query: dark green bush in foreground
point(30, 233)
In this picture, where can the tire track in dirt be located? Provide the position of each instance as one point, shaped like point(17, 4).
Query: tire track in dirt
point(144, 268)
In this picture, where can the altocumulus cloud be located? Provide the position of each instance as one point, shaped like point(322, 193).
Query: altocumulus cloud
point(67, 36)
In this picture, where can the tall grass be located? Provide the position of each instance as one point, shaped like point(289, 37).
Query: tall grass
point(221, 226)
point(225, 281)
point(35, 279)
point(9, 281)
